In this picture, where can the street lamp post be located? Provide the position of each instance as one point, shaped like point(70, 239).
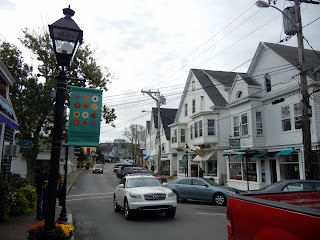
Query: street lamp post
point(306, 133)
point(66, 37)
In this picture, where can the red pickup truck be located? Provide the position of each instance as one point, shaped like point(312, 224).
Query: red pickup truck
point(285, 216)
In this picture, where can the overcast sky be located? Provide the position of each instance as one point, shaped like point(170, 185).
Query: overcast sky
point(152, 44)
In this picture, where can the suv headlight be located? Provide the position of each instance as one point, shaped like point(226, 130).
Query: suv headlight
point(133, 195)
point(171, 194)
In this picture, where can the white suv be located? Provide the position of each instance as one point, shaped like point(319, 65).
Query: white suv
point(143, 193)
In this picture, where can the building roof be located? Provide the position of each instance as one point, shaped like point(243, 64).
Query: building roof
point(312, 58)
point(208, 85)
point(167, 117)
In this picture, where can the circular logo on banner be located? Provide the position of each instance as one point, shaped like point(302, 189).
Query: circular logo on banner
point(76, 122)
point(85, 105)
point(85, 114)
point(93, 123)
point(93, 115)
point(94, 106)
point(84, 123)
point(77, 105)
point(76, 114)
point(95, 99)
point(78, 96)
point(86, 98)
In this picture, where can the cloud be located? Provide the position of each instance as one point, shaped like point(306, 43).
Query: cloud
point(7, 5)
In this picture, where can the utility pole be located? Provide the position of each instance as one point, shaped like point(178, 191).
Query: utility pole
point(135, 145)
point(306, 133)
point(158, 99)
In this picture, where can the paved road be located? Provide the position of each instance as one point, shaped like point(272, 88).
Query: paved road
point(90, 201)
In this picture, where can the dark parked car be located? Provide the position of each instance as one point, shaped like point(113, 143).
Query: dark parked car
point(202, 189)
point(289, 186)
point(121, 164)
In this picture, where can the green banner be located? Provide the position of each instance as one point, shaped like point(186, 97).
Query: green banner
point(85, 117)
point(184, 161)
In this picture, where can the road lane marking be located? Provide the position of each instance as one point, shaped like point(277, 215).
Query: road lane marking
point(70, 200)
point(89, 194)
point(212, 214)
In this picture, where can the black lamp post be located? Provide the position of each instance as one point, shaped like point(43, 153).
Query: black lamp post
point(66, 37)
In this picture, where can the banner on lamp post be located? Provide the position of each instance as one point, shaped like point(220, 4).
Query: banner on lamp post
point(85, 117)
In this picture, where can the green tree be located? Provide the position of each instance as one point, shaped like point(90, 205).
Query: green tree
point(31, 95)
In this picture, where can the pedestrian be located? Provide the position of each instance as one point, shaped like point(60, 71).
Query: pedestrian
point(200, 172)
point(152, 168)
point(61, 192)
point(42, 188)
point(146, 167)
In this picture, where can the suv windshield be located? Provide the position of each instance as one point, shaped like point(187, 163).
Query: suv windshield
point(98, 166)
point(143, 182)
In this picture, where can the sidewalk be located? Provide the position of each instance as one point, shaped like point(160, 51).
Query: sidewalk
point(16, 227)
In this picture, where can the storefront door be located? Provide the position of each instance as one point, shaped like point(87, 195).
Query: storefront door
point(273, 170)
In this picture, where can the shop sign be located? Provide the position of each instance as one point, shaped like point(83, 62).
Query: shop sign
point(234, 143)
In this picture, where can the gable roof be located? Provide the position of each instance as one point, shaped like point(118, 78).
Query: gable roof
point(247, 78)
point(167, 117)
point(290, 54)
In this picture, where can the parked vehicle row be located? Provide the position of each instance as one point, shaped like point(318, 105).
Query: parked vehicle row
point(201, 189)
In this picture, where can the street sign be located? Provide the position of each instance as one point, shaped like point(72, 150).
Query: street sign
point(25, 145)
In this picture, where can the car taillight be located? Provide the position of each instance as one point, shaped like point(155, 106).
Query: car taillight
point(229, 221)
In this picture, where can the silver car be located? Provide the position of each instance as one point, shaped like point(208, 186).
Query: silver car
point(139, 193)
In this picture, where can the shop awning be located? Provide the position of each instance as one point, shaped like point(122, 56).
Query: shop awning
point(240, 155)
point(146, 157)
point(285, 152)
point(260, 154)
point(205, 157)
point(228, 154)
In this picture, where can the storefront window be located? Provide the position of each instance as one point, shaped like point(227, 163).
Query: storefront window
point(238, 169)
point(211, 167)
point(252, 172)
point(235, 169)
point(289, 167)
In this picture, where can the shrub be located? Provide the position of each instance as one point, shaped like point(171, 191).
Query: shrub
point(6, 196)
point(31, 195)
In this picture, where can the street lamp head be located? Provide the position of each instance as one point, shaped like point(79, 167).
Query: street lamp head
point(262, 4)
point(66, 37)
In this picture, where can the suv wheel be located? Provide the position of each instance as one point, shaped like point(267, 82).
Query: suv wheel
point(170, 213)
point(115, 205)
point(128, 214)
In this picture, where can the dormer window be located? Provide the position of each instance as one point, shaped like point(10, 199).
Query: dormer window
point(193, 85)
point(267, 80)
point(239, 94)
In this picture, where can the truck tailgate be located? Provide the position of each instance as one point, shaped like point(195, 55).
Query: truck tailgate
point(259, 219)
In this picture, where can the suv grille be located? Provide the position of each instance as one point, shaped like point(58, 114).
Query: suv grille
point(155, 197)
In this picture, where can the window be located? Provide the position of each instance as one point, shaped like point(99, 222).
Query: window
point(193, 105)
point(285, 113)
point(239, 94)
point(174, 136)
point(196, 133)
point(267, 79)
point(297, 116)
point(163, 148)
point(200, 128)
point(3, 88)
point(193, 85)
point(236, 126)
point(211, 130)
point(244, 124)
point(186, 181)
point(183, 135)
point(186, 110)
point(259, 123)
point(191, 132)
point(238, 170)
point(199, 182)
point(201, 102)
